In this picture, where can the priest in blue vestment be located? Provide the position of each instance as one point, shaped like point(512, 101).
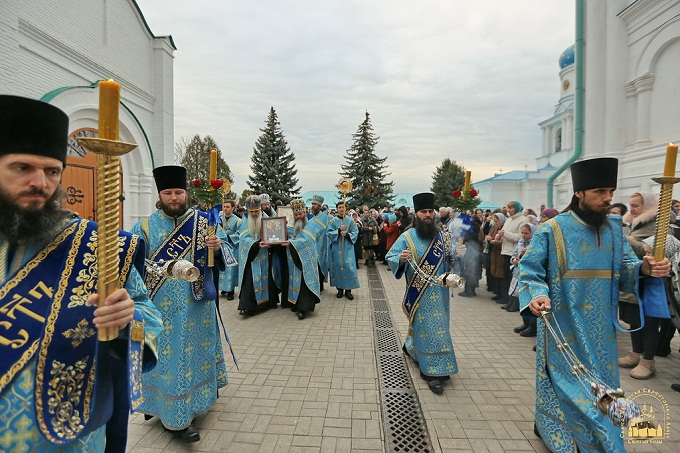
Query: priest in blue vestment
point(62, 390)
point(257, 276)
point(426, 304)
point(573, 270)
point(302, 253)
point(322, 217)
point(191, 365)
point(342, 234)
point(230, 224)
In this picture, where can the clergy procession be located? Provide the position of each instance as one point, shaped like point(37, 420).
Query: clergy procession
point(75, 366)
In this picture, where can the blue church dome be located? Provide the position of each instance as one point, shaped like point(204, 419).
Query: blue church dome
point(567, 57)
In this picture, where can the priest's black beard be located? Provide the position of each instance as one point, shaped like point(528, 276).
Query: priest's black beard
point(173, 212)
point(593, 218)
point(20, 224)
point(427, 230)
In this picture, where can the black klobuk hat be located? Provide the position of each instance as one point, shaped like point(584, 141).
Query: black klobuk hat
point(595, 173)
point(29, 126)
point(423, 200)
point(170, 177)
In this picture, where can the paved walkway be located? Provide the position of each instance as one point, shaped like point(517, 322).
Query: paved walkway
point(312, 385)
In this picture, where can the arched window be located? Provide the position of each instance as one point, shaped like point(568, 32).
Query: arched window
point(558, 140)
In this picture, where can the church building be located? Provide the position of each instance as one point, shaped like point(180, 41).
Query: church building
point(58, 52)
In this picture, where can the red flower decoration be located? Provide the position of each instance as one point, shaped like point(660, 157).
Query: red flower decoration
point(474, 193)
point(216, 183)
point(197, 182)
point(456, 194)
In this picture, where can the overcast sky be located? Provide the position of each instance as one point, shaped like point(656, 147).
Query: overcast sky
point(464, 79)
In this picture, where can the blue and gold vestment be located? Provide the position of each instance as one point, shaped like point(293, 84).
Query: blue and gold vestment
point(56, 375)
point(303, 281)
point(581, 270)
point(342, 261)
point(191, 365)
point(427, 305)
point(229, 277)
point(253, 264)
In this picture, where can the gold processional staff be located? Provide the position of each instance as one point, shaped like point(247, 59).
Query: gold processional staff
point(108, 148)
point(344, 186)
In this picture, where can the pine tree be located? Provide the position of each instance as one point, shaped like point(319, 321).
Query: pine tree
point(194, 155)
point(366, 170)
point(447, 178)
point(273, 168)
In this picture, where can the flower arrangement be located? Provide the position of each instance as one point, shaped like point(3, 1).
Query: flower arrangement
point(464, 201)
point(210, 192)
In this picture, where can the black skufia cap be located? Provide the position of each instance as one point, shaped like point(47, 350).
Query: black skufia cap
point(170, 177)
point(595, 173)
point(423, 200)
point(29, 126)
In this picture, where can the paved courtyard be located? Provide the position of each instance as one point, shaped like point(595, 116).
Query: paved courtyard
point(314, 385)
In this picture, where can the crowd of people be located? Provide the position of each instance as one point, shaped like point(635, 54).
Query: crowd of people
point(165, 356)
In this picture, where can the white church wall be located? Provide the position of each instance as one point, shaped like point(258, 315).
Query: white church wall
point(48, 46)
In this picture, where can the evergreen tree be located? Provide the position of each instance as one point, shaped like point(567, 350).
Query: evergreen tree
point(448, 177)
point(273, 170)
point(366, 170)
point(194, 155)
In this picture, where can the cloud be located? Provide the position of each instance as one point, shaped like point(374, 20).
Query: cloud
point(465, 80)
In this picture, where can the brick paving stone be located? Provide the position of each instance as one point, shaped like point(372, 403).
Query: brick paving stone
point(312, 385)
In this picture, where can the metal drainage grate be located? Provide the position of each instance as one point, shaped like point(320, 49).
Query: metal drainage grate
point(387, 341)
point(393, 372)
point(383, 320)
point(380, 305)
point(403, 420)
point(405, 423)
point(377, 293)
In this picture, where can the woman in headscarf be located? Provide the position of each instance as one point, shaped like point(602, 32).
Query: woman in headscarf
point(509, 237)
point(497, 270)
point(642, 220)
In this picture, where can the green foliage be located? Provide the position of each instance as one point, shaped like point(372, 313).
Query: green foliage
point(245, 194)
point(273, 167)
point(449, 176)
point(464, 201)
point(195, 157)
point(366, 170)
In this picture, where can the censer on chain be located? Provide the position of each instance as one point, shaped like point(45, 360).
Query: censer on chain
point(174, 269)
point(612, 403)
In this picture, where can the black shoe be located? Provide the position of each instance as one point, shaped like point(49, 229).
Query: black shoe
point(366, 263)
point(663, 352)
point(528, 333)
point(534, 348)
point(189, 434)
point(243, 312)
point(496, 298)
point(505, 307)
point(536, 431)
point(465, 294)
point(340, 294)
point(512, 309)
point(436, 386)
point(518, 329)
point(676, 387)
point(301, 315)
point(230, 295)
point(223, 293)
point(348, 294)
point(148, 417)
